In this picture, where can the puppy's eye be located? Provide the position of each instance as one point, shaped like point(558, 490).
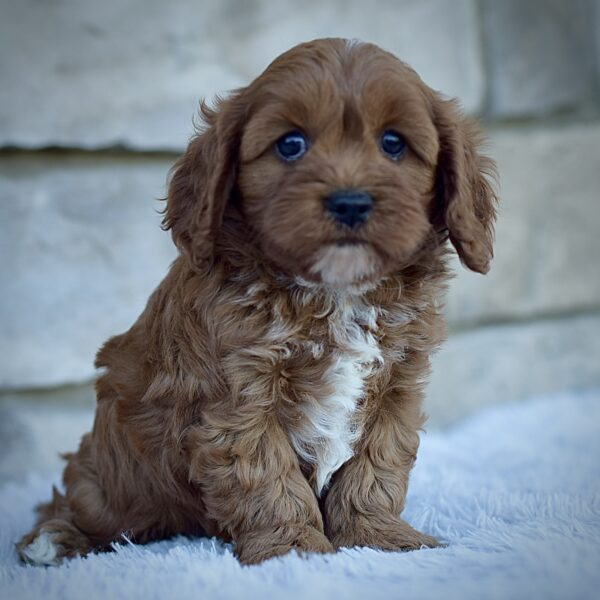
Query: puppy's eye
point(392, 144)
point(291, 146)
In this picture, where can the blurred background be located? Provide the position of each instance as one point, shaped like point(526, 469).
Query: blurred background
point(97, 100)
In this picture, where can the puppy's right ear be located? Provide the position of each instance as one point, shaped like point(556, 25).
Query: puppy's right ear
point(202, 180)
point(466, 190)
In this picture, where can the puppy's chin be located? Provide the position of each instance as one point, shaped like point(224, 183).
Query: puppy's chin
point(345, 265)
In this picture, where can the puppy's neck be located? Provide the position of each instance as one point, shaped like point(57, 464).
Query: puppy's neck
point(340, 291)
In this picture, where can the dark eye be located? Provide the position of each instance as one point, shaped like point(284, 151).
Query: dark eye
point(392, 144)
point(291, 146)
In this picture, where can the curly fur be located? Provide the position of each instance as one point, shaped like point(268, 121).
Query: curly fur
point(270, 393)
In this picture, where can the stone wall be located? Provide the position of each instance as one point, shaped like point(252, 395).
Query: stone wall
point(98, 99)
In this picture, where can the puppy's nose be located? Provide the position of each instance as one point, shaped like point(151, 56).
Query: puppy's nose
point(349, 207)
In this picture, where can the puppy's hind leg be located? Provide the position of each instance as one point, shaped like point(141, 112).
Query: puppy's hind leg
point(74, 523)
point(55, 536)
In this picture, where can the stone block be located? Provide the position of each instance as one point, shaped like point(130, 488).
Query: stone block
point(440, 40)
point(36, 428)
point(81, 249)
point(497, 364)
point(547, 242)
point(540, 55)
point(100, 74)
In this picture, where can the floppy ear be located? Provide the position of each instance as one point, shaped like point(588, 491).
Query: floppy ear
point(202, 180)
point(465, 192)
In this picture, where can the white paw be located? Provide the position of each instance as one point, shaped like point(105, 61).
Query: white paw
point(42, 551)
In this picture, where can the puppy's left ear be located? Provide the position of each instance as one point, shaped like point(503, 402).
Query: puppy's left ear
point(466, 200)
point(203, 179)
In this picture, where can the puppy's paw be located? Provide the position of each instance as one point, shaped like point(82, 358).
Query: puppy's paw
point(40, 548)
point(255, 547)
point(49, 543)
point(382, 533)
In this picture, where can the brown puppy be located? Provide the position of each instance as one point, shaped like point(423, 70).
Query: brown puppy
point(270, 393)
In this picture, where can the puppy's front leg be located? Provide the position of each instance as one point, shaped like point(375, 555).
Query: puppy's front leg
point(368, 494)
point(253, 487)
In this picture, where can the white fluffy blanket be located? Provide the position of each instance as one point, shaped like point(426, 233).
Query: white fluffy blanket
point(515, 492)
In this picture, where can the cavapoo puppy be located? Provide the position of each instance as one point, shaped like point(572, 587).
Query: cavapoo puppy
point(270, 393)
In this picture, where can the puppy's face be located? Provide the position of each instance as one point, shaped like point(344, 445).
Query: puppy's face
point(346, 167)
point(337, 163)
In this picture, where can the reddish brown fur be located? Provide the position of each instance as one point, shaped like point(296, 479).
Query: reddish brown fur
point(197, 400)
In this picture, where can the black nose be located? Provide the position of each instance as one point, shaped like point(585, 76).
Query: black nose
point(349, 207)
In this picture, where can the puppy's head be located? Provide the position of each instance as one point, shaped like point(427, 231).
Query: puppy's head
point(344, 164)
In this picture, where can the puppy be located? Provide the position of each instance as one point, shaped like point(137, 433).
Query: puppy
point(270, 393)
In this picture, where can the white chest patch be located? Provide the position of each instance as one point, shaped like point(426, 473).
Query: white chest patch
point(333, 424)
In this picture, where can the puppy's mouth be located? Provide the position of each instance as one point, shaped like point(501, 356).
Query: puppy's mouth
point(346, 262)
point(349, 242)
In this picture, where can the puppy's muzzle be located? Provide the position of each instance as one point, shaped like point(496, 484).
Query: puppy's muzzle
point(350, 208)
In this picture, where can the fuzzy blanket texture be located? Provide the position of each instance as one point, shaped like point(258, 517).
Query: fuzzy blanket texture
point(514, 492)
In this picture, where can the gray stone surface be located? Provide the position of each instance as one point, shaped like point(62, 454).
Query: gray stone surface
point(547, 242)
point(81, 250)
point(438, 39)
point(540, 55)
point(492, 365)
point(94, 74)
point(34, 431)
